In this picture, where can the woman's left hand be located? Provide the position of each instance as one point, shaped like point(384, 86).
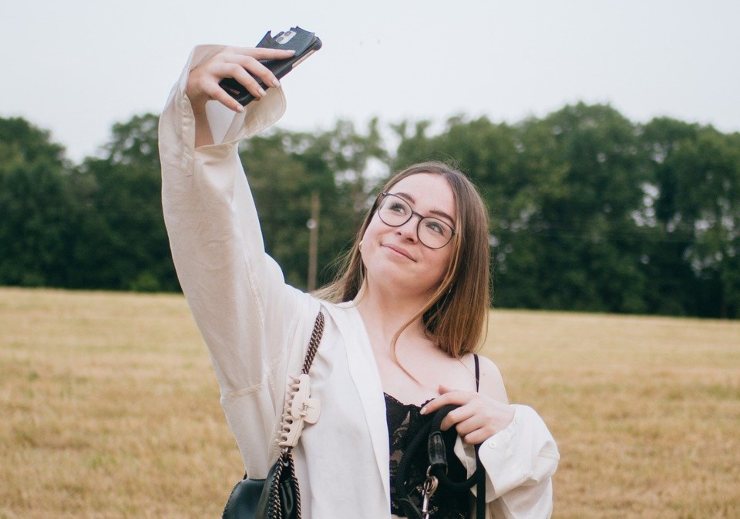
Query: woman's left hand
point(478, 418)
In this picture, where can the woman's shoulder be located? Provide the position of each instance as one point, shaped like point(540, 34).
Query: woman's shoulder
point(345, 314)
point(491, 380)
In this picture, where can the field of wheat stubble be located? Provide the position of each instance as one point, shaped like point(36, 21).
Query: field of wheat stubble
point(110, 409)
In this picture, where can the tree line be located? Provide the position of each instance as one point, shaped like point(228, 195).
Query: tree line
point(589, 210)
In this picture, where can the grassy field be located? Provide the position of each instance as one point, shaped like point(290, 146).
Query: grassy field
point(109, 408)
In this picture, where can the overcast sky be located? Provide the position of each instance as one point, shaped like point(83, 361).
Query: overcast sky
point(77, 66)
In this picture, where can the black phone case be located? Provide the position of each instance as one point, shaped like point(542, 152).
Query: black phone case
point(302, 42)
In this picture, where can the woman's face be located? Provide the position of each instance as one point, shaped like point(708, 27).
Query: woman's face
point(394, 257)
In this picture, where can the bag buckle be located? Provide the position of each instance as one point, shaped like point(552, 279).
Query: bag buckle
point(427, 491)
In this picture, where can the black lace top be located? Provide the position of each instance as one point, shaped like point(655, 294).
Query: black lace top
point(404, 420)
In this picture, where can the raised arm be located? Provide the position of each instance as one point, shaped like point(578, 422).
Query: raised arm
point(236, 292)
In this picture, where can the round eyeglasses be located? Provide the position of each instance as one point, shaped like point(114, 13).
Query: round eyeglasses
point(432, 232)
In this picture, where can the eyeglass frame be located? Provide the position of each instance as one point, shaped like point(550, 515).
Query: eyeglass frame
point(382, 196)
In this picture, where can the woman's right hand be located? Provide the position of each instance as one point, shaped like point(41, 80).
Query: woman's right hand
point(242, 64)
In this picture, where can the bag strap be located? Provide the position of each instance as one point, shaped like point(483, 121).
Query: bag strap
point(299, 407)
point(313, 344)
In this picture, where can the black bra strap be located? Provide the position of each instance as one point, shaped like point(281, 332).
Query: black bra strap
point(477, 372)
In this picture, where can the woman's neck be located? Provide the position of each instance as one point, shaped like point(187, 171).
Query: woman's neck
point(388, 313)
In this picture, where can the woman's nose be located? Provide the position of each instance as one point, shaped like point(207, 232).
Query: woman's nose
point(409, 230)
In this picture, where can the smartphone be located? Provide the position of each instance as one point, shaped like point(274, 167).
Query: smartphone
point(303, 42)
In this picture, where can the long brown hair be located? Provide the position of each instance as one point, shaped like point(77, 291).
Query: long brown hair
point(455, 316)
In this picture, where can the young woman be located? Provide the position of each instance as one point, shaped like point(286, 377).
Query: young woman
point(402, 320)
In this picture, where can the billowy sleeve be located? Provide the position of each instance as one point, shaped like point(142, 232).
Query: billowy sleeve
point(248, 316)
point(520, 461)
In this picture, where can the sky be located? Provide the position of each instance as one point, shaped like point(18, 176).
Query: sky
point(77, 67)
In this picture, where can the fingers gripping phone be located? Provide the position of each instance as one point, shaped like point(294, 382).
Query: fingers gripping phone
point(303, 42)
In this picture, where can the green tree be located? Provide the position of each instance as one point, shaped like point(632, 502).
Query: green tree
point(123, 241)
point(284, 168)
point(589, 211)
point(586, 166)
point(694, 212)
point(36, 204)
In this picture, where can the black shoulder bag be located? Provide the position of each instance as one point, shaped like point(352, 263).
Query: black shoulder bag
point(278, 495)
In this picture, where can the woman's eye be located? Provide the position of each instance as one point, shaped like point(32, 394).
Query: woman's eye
point(435, 227)
point(398, 207)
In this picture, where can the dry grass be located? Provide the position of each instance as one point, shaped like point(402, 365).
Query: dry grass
point(110, 409)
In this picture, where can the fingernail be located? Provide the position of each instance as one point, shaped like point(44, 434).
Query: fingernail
point(276, 83)
point(262, 92)
point(423, 410)
point(239, 108)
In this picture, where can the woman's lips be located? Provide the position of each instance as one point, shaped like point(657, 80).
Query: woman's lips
point(399, 250)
